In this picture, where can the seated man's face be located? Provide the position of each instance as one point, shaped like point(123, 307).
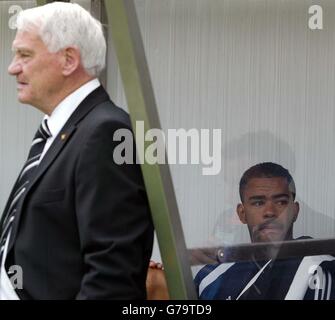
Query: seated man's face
point(268, 209)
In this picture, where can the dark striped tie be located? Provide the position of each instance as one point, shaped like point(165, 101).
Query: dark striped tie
point(36, 149)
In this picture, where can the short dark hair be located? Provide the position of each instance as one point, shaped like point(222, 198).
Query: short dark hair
point(266, 170)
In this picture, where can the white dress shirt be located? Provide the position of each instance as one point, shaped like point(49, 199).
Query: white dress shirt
point(56, 121)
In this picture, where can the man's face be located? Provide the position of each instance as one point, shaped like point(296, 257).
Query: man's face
point(268, 209)
point(38, 72)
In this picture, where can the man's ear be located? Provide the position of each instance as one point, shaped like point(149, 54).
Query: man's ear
point(241, 213)
point(296, 209)
point(71, 60)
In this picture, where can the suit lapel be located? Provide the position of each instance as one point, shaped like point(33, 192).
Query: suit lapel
point(98, 96)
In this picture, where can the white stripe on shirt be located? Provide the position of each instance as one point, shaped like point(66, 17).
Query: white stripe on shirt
point(212, 276)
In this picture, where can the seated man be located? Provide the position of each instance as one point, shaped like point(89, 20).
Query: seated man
point(268, 208)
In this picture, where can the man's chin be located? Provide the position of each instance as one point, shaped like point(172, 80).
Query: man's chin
point(269, 237)
point(23, 99)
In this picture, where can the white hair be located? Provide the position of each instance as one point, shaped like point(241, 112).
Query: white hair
point(61, 25)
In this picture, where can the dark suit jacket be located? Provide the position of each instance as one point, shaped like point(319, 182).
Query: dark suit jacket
point(83, 229)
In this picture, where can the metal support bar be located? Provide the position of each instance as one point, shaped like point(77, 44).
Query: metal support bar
point(98, 11)
point(134, 70)
point(43, 2)
point(262, 251)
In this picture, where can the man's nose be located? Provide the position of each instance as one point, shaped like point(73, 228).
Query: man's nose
point(270, 210)
point(14, 68)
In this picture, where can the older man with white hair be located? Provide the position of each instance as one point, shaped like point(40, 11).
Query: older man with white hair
point(77, 223)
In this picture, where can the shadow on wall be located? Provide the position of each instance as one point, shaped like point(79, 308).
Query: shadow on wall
point(238, 155)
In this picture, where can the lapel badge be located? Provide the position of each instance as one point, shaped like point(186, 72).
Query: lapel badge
point(63, 136)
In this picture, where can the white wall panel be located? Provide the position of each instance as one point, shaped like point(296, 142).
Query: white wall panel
point(255, 70)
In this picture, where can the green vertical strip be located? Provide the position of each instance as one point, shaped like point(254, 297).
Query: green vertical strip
point(41, 2)
point(134, 70)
